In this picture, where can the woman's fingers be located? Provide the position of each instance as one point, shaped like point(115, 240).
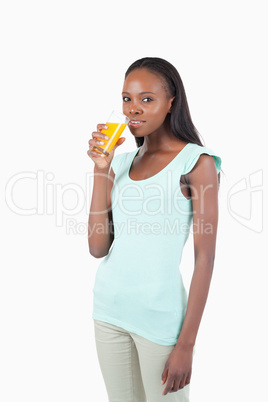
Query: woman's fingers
point(101, 136)
point(95, 141)
point(99, 139)
point(169, 385)
point(102, 127)
point(94, 154)
point(175, 383)
point(178, 384)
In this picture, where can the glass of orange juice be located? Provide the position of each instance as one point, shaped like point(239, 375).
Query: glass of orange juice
point(116, 122)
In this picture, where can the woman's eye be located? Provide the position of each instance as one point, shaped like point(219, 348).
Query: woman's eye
point(147, 100)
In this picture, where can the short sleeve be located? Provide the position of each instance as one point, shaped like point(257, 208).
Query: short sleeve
point(194, 156)
point(116, 162)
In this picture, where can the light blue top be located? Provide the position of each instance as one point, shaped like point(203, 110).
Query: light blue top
point(138, 285)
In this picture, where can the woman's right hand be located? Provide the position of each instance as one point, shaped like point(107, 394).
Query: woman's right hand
point(101, 161)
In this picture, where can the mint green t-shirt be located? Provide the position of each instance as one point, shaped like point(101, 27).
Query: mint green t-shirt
point(138, 285)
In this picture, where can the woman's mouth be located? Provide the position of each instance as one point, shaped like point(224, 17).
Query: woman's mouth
point(135, 123)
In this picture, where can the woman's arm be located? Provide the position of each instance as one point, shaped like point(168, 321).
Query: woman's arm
point(204, 191)
point(100, 221)
point(203, 183)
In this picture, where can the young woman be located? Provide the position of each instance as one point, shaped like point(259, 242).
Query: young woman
point(143, 205)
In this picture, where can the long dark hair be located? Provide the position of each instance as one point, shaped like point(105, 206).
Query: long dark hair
point(180, 119)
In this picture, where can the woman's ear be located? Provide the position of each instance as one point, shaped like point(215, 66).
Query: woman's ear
point(171, 102)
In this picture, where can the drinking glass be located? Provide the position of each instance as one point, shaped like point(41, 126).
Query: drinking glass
point(116, 122)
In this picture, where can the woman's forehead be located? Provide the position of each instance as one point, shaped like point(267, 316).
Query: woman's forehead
point(143, 80)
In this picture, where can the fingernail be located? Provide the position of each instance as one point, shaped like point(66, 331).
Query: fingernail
point(162, 382)
point(106, 127)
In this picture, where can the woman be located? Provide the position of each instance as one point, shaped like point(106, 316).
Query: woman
point(142, 207)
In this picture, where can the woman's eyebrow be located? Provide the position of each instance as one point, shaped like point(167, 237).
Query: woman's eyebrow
point(141, 93)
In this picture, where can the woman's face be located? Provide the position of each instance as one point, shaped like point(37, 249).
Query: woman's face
point(145, 102)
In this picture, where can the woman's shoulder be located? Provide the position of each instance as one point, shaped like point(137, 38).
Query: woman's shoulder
point(192, 154)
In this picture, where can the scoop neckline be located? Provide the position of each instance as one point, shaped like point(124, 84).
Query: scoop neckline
point(149, 178)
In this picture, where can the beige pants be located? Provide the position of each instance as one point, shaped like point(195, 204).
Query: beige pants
point(132, 366)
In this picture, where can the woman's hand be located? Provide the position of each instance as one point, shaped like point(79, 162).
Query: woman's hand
point(101, 161)
point(178, 368)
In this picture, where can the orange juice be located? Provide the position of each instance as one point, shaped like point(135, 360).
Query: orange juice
point(114, 131)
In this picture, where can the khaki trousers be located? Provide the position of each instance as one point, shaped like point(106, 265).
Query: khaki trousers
point(132, 366)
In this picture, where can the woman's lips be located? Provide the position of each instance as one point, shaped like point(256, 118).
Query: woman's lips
point(135, 123)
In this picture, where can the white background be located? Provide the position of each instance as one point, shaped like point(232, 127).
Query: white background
point(62, 70)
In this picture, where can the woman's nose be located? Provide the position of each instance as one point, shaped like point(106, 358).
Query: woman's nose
point(134, 109)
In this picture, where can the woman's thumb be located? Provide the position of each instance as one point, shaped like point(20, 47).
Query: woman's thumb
point(119, 142)
point(164, 375)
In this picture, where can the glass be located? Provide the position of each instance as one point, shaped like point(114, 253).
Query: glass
point(116, 122)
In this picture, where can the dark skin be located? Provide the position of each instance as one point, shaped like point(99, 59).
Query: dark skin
point(146, 99)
